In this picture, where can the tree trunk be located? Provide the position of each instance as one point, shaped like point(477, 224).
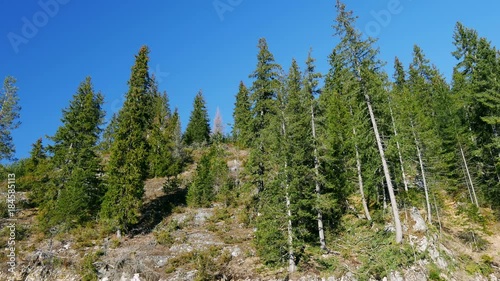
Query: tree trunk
point(360, 178)
point(392, 197)
point(469, 176)
point(422, 171)
point(401, 163)
point(321, 231)
point(467, 184)
point(291, 255)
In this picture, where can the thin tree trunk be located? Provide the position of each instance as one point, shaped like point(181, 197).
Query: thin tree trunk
point(291, 255)
point(469, 176)
point(426, 190)
point(392, 196)
point(321, 231)
point(394, 204)
point(403, 174)
point(437, 213)
point(360, 179)
point(467, 184)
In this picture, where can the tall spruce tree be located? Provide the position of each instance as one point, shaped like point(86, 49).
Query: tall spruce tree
point(198, 128)
point(476, 85)
point(311, 90)
point(263, 109)
point(242, 117)
point(265, 154)
point(127, 168)
point(360, 57)
point(9, 117)
point(75, 156)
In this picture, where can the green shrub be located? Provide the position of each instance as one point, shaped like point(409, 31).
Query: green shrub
point(473, 240)
point(4, 211)
point(434, 273)
point(87, 268)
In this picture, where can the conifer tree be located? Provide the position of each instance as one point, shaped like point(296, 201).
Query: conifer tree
point(210, 179)
point(265, 153)
point(201, 191)
point(75, 156)
point(127, 168)
point(108, 134)
point(178, 153)
point(38, 174)
point(311, 90)
point(242, 117)
point(9, 115)
point(263, 110)
point(160, 136)
point(198, 128)
point(360, 57)
point(399, 84)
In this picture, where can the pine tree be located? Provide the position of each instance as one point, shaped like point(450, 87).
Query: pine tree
point(9, 115)
point(211, 178)
point(466, 42)
point(263, 110)
point(344, 132)
point(160, 136)
point(399, 84)
point(127, 168)
point(198, 128)
point(201, 191)
point(485, 87)
point(178, 153)
point(108, 134)
point(38, 173)
point(75, 156)
point(311, 90)
point(360, 57)
point(242, 117)
point(265, 154)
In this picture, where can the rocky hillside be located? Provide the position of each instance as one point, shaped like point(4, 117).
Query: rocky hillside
point(175, 242)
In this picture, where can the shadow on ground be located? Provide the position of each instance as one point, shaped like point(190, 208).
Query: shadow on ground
point(159, 208)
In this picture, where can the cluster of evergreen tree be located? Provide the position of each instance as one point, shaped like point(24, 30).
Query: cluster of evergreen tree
point(362, 133)
point(83, 176)
point(310, 148)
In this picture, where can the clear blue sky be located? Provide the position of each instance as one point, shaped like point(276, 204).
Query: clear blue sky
point(194, 46)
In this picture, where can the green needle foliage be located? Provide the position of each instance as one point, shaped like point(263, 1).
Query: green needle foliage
point(128, 165)
point(242, 117)
point(160, 136)
point(75, 160)
point(9, 115)
point(198, 128)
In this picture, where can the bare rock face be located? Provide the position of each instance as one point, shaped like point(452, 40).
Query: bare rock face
point(419, 225)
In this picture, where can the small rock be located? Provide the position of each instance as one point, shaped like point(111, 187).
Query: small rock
point(423, 244)
point(395, 276)
point(420, 225)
